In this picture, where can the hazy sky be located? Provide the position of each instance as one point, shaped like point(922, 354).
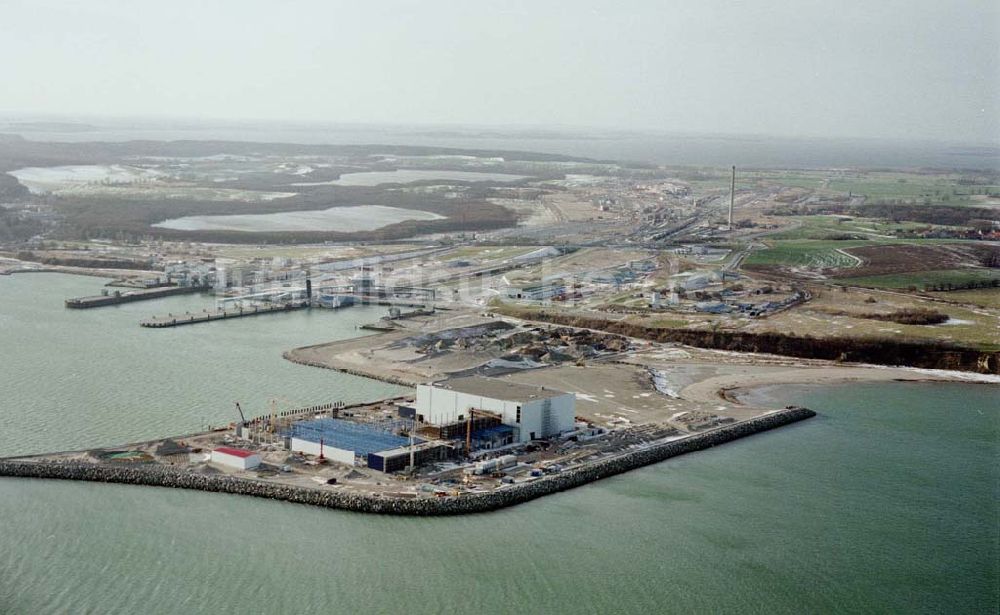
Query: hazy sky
point(880, 68)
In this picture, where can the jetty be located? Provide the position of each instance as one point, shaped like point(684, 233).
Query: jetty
point(193, 318)
point(116, 297)
point(283, 486)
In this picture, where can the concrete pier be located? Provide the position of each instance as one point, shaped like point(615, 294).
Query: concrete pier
point(192, 318)
point(117, 296)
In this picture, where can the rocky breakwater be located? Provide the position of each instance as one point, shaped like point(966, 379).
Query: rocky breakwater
point(161, 476)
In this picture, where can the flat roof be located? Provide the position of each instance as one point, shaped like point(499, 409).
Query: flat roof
point(405, 450)
point(235, 452)
point(347, 435)
point(498, 388)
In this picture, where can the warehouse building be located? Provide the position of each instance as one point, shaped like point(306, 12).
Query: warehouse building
point(535, 292)
point(339, 440)
point(533, 411)
point(238, 458)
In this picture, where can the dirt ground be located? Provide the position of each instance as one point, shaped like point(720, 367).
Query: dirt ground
point(382, 356)
point(651, 384)
point(878, 260)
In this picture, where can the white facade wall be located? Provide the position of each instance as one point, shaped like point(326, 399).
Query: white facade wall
point(332, 453)
point(439, 406)
point(534, 293)
point(233, 461)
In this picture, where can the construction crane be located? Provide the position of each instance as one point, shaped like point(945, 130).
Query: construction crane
point(243, 419)
point(468, 426)
point(275, 422)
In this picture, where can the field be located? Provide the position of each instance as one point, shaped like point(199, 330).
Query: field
point(836, 313)
point(877, 186)
point(984, 297)
point(806, 253)
point(826, 227)
point(899, 258)
point(922, 279)
point(882, 263)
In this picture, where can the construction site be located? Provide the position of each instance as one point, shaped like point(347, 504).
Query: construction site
point(578, 327)
point(457, 436)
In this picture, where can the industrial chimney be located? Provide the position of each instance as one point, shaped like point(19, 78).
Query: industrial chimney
point(732, 197)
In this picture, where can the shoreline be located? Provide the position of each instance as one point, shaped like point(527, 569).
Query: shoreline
point(711, 377)
point(90, 272)
point(732, 387)
point(292, 357)
point(382, 504)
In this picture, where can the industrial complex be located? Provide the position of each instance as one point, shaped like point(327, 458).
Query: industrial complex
point(569, 316)
point(453, 420)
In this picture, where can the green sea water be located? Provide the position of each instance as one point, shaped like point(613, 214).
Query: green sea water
point(78, 378)
point(885, 502)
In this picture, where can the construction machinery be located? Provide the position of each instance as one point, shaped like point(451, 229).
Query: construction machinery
point(468, 426)
point(243, 418)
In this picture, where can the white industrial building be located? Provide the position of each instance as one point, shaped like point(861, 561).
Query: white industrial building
point(533, 411)
point(535, 292)
point(319, 449)
point(238, 458)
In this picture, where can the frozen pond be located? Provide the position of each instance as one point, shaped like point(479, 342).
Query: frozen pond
point(405, 176)
point(346, 219)
point(40, 180)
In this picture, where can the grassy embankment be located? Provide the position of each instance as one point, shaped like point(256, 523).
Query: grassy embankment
point(880, 351)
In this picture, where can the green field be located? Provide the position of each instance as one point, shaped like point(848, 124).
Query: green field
point(943, 189)
point(984, 297)
point(823, 253)
point(920, 279)
point(825, 227)
point(806, 253)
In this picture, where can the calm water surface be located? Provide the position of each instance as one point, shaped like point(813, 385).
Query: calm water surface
point(672, 149)
point(406, 176)
point(345, 219)
point(78, 378)
point(886, 502)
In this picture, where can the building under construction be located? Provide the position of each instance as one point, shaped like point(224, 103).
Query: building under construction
point(450, 418)
point(463, 406)
point(398, 459)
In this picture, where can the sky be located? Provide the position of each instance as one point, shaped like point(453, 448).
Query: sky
point(913, 69)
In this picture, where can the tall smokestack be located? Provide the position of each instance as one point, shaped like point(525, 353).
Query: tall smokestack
point(732, 197)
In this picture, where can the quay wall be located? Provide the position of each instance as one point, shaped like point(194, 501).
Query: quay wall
point(161, 476)
point(161, 322)
point(135, 295)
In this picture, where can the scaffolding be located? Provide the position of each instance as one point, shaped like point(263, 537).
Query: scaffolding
point(457, 430)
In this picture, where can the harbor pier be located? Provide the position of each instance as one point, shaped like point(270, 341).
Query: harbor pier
point(192, 318)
